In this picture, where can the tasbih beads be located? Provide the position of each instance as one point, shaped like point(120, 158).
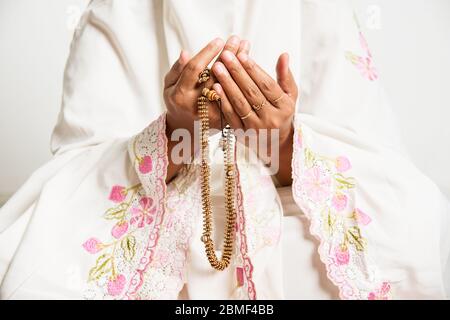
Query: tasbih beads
point(205, 175)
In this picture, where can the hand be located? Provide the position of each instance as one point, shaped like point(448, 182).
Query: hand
point(180, 84)
point(181, 90)
point(242, 84)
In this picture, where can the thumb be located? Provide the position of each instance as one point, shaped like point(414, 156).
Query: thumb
point(174, 73)
point(285, 78)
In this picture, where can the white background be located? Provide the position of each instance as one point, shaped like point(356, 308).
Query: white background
point(410, 40)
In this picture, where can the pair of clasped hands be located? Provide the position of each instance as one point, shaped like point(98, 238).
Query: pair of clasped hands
point(241, 84)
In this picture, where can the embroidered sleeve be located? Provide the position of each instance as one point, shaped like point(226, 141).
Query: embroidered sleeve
point(148, 151)
point(325, 191)
point(136, 214)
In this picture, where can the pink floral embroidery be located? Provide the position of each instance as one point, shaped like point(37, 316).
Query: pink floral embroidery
point(382, 293)
point(364, 44)
point(143, 213)
point(116, 285)
point(161, 257)
point(317, 184)
point(343, 164)
point(339, 202)
point(122, 261)
point(323, 193)
point(119, 229)
point(118, 194)
point(342, 256)
point(240, 276)
point(92, 245)
point(363, 63)
point(152, 143)
point(241, 236)
point(361, 217)
point(124, 242)
point(145, 164)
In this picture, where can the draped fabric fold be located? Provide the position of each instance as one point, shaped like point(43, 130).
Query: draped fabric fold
point(99, 221)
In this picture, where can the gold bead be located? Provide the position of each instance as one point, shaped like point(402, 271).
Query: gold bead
point(228, 243)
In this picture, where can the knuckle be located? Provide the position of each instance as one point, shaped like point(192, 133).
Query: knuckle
point(238, 102)
point(194, 66)
point(251, 91)
point(249, 65)
point(234, 68)
point(266, 85)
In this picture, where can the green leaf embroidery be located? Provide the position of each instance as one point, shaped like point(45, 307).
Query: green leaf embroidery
point(102, 266)
point(128, 245)
point(329, 221)
point(354, 237)
point(353, 58)
point(117, 213)
point(344, 182)
point(309, 158)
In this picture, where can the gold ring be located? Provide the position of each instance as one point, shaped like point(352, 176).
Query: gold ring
point(247, 115)
point(259, 106)
point(278, 99)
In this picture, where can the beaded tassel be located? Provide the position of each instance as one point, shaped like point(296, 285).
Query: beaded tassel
point(205, 174)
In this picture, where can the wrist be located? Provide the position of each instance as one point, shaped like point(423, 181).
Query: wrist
point(287, 138)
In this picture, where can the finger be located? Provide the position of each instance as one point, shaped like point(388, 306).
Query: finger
point(231, 117)
point(232, 44)
point(285, 78)
point(268, 86)
point(235, 45)
point(235, 96)
point(174, 73)
point(246, 84)
point(244, 47)
point(189, 76)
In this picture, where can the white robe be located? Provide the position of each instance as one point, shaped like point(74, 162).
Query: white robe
point(98, 221)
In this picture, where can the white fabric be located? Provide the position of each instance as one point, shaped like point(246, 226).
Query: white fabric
point(113, 89)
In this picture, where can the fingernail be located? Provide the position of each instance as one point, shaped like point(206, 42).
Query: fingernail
point(234, 41)
point(243, 57)
point(218, 68)
point(218, 88)
point(287, 58)
point(227, 56)
point(246, 45)
point(218, 42)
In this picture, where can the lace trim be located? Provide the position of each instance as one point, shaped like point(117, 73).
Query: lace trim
point(149, 153)
point(327, 198)
point(119, 270)
point(243, 248)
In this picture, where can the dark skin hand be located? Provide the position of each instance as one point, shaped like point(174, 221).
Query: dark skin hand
point(241, 84)
point(181, 92)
